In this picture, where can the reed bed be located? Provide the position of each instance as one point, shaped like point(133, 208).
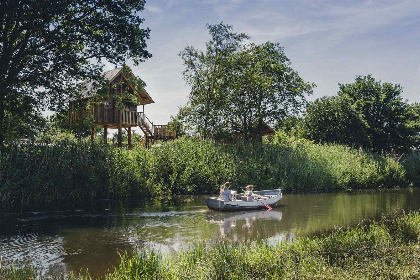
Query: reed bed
point(71, 171)
point(384, 249)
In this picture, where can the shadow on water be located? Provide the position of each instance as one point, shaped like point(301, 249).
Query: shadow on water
point(91, 235)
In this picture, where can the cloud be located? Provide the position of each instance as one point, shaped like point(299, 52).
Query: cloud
point(153, 9)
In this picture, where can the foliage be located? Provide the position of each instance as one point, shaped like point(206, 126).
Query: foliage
point(383, 111)
point(48, 47)
point(206, 73)
point(366, 113)
point(334, 120)
point(79, 171)
point(236, 87)
point(414, 124)
point(25, 121)
point(411, 163)
point(384, 249)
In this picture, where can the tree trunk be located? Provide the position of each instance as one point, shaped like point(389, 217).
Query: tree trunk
point(129, 138)
point(260, 118)
point(92, 134)
point(1, 121)
point(119, 129)
point(105, 133)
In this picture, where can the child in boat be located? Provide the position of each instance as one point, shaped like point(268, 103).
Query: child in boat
point(249, 194)
point(225, 193)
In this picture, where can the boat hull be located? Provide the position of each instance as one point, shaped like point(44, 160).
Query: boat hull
point(216, 204)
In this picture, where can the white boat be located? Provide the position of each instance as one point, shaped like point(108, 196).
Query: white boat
point(239, 202)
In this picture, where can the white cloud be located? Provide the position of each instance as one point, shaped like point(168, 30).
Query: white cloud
point(153, 9)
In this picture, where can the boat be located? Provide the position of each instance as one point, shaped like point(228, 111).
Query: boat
point(240, 203)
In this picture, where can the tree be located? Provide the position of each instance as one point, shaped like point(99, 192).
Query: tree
point(366, 113)
point(334, 120)
point(414, 124)
point(264, 87)
point(206, 73)
point(236, 87)
point(47, 47)
point(383, 111)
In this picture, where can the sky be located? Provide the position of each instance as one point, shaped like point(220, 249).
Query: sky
point(327, 42)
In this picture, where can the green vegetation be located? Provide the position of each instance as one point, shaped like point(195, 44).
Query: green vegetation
point(47, 52)
point(74, 171)
point(366, 113)
point(237, 86)
point(385, 249)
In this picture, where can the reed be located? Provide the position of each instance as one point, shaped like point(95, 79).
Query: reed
point(411, 163)
point(72, 171)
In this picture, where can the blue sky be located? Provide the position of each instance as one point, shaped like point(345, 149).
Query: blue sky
point(328, 42)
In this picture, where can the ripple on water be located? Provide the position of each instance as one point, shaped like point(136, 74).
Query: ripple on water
point(40, 251)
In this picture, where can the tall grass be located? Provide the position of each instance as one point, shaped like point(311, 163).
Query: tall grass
point(79, 171)
point(411, 163)
point(386, 249)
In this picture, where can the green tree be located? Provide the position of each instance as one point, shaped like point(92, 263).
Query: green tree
point(383, 111)
point(414, 124)
point(48, 47)
point(334, 120)
point(26, 121)
point(264, 87)
point(366, 113)
point(236, 87)
point(205, 72)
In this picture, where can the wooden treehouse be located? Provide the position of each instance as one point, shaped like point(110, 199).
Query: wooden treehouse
point(106, 113)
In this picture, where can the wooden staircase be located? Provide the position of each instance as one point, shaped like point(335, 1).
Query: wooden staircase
point(151, 131)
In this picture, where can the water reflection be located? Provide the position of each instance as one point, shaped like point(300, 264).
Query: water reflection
point(227, 221)
point(91, 236)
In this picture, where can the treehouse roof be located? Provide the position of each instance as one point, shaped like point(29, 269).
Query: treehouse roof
point(90, 88)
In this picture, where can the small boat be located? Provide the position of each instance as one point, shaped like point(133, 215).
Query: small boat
point(239, 202)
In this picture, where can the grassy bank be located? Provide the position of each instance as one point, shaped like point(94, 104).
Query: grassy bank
point(386, 249)
point(79, 171)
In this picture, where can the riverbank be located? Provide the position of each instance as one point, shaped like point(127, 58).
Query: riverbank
point(65, 172)
point(388, 248)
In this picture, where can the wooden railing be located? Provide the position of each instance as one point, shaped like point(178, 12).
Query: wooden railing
point(164, 131)
point(141, 120)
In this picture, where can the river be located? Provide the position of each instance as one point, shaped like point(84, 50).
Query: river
point(92, 236)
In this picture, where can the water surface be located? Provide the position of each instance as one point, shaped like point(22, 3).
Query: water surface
point(91, 236)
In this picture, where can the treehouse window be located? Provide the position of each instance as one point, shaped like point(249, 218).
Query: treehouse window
point(107, 104)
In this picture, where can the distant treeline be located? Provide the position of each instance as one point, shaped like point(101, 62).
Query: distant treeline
point(72, 171)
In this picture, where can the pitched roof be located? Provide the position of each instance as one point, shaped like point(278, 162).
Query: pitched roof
point(89, 89)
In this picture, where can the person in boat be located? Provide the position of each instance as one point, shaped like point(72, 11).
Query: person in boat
point(250, 195)
point(225, 193)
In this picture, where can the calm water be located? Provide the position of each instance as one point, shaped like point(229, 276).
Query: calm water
point(91, 236)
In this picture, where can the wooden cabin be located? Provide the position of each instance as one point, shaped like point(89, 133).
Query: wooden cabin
point(266, 130)
point(252, 133)
point(106, 113)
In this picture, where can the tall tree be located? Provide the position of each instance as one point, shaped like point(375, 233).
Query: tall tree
point(383, 111)
point(366, 113)
point(334, 120)
point(47, 47)
point(205, 72)
point(264, 87)
point(236, 87)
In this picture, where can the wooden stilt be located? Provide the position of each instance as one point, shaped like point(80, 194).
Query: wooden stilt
point(129, 138)
point(105, 133)
point(92, 134)
point(119, 130)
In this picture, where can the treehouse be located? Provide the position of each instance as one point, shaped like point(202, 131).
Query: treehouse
point(116, 108)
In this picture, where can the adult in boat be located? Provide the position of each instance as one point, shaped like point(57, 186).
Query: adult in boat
point(249, 194)
point(225, 193)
